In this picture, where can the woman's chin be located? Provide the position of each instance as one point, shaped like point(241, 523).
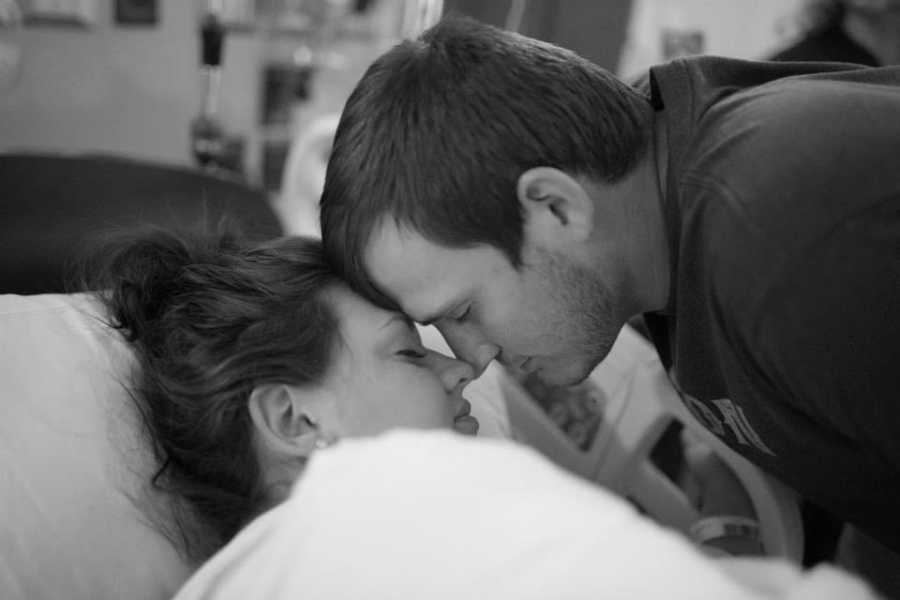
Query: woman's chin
point(466, 425)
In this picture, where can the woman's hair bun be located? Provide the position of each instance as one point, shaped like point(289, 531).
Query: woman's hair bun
point(139, 272)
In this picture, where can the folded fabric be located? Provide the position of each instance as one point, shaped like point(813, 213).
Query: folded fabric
point(412, 515)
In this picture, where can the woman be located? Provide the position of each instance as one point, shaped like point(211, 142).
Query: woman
point(252, 356)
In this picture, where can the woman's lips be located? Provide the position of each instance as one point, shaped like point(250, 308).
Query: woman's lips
point(464, 422)
point(465, 407)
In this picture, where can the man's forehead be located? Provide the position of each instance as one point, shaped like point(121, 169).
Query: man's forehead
point(401, 260)
point(418, 274)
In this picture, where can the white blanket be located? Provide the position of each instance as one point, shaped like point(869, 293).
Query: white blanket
point(413, 515)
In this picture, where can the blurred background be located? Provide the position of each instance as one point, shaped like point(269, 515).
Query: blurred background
point(170, 111)
point(128, 77)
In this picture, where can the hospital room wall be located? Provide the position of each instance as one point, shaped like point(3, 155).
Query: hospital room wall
point(593, 28)
point(128, 91)
point(133, 90)
point(624, 35)
point(735, 28)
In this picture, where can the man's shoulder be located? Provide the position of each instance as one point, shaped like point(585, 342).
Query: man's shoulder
point(715, 96)
point(770, 134)
point(787, 161)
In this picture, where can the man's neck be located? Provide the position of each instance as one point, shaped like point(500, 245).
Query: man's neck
point(878, 34)
point(644, 229)
point(660, 151)
point(658, 172)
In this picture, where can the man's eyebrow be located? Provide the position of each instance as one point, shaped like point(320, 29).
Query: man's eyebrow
point(428, 321)
point(439, 314)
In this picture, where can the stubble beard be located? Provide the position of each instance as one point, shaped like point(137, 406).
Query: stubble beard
point(584, 321)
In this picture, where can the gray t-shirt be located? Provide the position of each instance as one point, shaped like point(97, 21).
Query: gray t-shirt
point(783, 209)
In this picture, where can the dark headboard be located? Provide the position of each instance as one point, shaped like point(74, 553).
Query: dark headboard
point(51, 205)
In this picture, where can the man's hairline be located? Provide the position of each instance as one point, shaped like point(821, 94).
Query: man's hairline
point(406, 227)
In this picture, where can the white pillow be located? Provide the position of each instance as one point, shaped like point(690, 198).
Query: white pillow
point(71, 461)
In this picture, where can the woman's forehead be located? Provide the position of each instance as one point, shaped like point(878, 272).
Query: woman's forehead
point(362, 321)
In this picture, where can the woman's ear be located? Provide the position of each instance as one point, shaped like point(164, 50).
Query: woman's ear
point(282, 417)
point(557, 208)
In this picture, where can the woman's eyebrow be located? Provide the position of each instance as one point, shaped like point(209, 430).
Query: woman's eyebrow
point(401, 328)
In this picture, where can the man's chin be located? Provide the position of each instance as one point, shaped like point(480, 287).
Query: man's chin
point(574, 370)
point(564, 376)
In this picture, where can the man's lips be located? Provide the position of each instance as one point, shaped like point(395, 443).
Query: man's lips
point(523, 367)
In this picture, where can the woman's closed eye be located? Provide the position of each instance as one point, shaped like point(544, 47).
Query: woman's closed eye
point(415, 353)
point(463, 315)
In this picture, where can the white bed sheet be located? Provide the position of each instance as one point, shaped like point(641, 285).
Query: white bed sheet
point(413, 515)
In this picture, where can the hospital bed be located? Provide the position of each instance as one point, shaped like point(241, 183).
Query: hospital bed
point(74, 468)
point(73, 464)
point(52, 203)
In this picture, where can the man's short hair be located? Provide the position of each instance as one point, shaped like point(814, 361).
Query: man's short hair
point(438, 130)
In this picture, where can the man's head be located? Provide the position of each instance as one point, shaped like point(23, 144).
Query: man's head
point(447, 143)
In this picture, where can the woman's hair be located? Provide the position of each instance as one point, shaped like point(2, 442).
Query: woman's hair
point(439, 129)
point(211, 316)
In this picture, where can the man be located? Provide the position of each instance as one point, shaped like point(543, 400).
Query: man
point(528, 204)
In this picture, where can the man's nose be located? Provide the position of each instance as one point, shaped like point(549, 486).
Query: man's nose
point(470, 347)
point(455, 374)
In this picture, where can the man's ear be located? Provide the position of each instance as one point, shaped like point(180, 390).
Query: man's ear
point(557, 208)
point(283, 418)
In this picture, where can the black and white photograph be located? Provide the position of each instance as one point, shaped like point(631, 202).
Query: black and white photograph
point(450, 299)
